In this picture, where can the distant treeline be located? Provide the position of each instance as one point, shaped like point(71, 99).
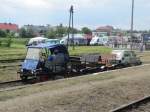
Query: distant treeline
point(53, 32)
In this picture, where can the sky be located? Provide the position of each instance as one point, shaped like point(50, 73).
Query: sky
point(90, 13)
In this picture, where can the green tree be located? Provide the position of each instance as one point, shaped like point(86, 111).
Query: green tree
point(23, 33)
point(30, 33)
point(61, 31)
point(9, 39)
point(86, 30)
point(3, 33)
point(51, 33)
point(57, 32)
point(75, 30)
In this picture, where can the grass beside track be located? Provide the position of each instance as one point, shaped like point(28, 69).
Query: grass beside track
point(12, 53)
point(19, 51)
point(79, 50)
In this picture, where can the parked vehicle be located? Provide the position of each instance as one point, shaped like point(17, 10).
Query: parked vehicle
point(126, 57)
point(99, 40)
point(36, 40)
point(78, 39)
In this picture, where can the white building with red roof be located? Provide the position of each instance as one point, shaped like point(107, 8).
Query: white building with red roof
point(103, 31)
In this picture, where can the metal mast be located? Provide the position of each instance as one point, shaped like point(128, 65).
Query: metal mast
point(71, 27)
point(132, 24)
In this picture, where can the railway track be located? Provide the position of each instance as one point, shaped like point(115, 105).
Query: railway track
point(133, 106)
point(11, 60)
point(11, 85)
point(18, 84)
point(4, 85)
point(6, 66)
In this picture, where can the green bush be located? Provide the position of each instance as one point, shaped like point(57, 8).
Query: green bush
point(9, 42)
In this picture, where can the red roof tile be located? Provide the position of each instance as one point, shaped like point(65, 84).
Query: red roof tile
point(9, 26)
point(105, 28)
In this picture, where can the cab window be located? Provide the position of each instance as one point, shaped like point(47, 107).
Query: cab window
point(33, 53)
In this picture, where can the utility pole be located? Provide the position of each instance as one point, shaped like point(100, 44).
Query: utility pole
point(71, 27)
point(69, 30)
point(132, 24)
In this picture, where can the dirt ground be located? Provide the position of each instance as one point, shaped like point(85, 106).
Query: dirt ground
point(95, 93)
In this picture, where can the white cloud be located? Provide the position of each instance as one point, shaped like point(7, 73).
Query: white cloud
point(25, 4)
point(52, 4)
point(36, 7)
point(88, 12)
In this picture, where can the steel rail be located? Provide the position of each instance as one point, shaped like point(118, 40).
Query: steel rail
point(11, 60)
point(9, 84)
point(6, 66)
point(133, 105)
